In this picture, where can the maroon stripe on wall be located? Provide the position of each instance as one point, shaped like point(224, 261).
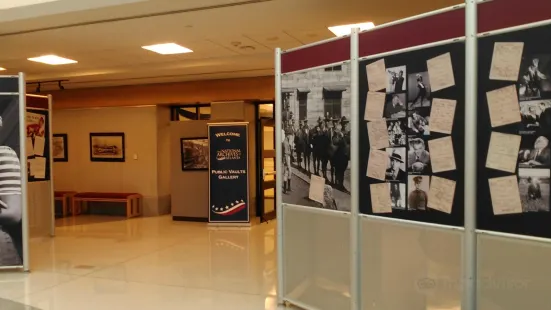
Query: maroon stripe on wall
point(317, 55)
point(434, 28)
point(499, 14)
point(37, 102)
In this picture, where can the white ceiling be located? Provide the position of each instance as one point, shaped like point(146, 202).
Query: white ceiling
point(105, 38)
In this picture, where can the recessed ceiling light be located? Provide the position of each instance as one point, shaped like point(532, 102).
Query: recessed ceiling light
point(3, 69)
point(343, 30)
point(168, 49)
point(53, 60)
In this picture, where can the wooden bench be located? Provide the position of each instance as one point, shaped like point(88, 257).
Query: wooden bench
point(67, 200)
point(133, 201)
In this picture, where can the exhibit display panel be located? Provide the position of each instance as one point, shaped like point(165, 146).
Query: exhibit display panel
point(317, 258)
point(14, 232)
point(40, 193)
point(449, 157)
point(408, 267)
point(314, 108)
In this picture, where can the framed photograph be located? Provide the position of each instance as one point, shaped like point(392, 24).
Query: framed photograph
point(60, 147)
point(107, 147)
point(195, 153)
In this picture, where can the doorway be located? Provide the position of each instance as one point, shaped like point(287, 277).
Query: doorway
point(265, 147)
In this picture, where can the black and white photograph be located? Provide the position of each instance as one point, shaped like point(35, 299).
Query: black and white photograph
point(535, 117)
point(11, 217)
point(107, 147)
point(395, 106)
point(418, 156)
point(533, 185)
point(195, 153)
point(534, 152)
point(396, 167)
point(419, 122)
point(59, 148)
point(418, 192)
point(397, 195)
point(534, 77)
point(316, 131)
point(396, 80)
point(419, 90)
point(397, 132)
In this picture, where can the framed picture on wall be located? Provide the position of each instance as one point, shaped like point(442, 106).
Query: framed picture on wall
point(59, 147)
point(195, 153)
point(107, 147)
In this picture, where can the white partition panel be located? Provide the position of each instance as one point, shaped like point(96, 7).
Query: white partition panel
point(39, 197)
point(410, 266)
point(317, 258)
point(513, 274)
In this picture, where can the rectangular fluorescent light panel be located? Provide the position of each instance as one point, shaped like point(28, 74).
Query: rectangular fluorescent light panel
point(53, 60)
point(344, 30)
point(167, 49)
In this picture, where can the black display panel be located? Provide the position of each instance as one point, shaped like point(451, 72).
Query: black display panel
point(414, 172)
point(520, 62)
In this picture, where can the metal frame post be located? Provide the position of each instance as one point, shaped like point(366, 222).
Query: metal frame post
point(23, 160)
point(355, 253)
point(51, 154)
point(279, 184)
point(470, 237)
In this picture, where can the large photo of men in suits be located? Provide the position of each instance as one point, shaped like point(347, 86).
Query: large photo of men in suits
point(316, 136)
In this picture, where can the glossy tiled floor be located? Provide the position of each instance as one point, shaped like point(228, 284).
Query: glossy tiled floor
point(147, 263)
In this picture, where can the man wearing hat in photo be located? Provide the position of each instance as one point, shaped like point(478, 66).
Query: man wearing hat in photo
point(307, 144)
point(287, 172)
point(395, 173)
point(299, 144)
point(417, 199)
point(342, 153)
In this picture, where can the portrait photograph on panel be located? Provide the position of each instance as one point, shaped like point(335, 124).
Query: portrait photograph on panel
point(419, 90)
point(397, 132)
point(418, 192)
point(534, 152)
point(397, 195)
point(418, 122)
point(316, 137)
point(535, 116)
point(418, 156)
point(396, 167)
point(396, 78)
point(534, 76)
point(395, 106)
point(533, 185)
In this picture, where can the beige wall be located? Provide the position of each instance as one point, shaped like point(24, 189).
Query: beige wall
point(190, 189)
point(141, 128)
point(163, 159)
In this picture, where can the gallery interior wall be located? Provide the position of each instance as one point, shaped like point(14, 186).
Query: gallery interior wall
point(141, 128)
point(167, 93)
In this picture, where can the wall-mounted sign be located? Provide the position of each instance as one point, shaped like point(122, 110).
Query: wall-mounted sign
point(228, 168)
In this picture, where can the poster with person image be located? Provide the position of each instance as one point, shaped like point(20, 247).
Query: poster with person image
point(534, 152)
point(11, 202)
point(408, 113)
point(533, 185)
point(396, 77)
point(419, 90)
point(397, 132)
point(516, 201)
point(395, 106)
point(397, 195)
point(534, 76)
point(418, 156)
point(418, 192)
point(396, 168)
